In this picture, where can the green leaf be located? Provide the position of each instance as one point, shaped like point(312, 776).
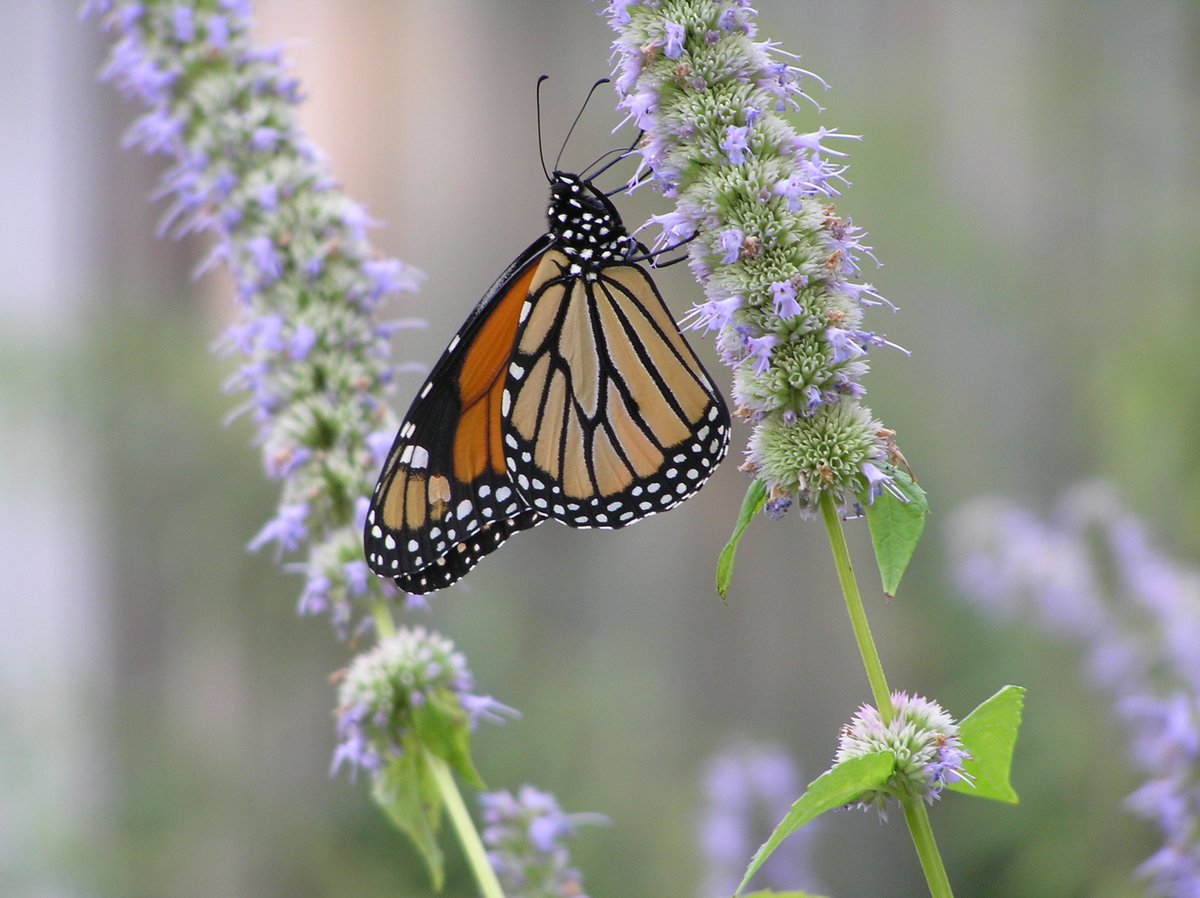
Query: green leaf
point(896, 528)
point(441, 726)
point(756, 498)
point(989, 733)
point(835, 788)
point(769, 894)
point(408, 794)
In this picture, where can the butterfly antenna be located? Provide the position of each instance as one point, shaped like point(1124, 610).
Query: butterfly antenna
point(620, 152)
point(578, 116)
point(538, 101)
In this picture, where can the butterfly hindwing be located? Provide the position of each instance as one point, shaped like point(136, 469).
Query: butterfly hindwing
point(569, 393)
point(445, 498)
point(610, 417)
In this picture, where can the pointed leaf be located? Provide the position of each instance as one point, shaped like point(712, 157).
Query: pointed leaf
point(756, 498)
point(989, 733)
point(835, 788)
point(896, 528)
point(440, 724)
point(408, 794)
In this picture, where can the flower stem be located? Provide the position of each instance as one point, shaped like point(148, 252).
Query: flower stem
point(464, 826)
point(917, 818)
point(858, 614)
point(384, 625)
point(915, 814)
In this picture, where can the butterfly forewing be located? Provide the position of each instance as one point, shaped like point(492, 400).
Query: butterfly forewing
point(568, 394)
point(610, 415)
point(445, 498)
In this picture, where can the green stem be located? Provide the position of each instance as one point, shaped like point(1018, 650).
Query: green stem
point(464, 826)
point(385, 627)
point(914, 810)
point(917, 818)
point(858, 614)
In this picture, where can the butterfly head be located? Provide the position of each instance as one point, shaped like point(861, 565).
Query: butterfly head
point(585, 224)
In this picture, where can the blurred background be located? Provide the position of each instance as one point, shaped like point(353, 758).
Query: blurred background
point(1028, 175)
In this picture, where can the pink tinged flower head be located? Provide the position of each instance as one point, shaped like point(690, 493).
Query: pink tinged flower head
point(922, 737)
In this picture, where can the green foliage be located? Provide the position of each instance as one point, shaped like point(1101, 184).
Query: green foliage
point(752, 504)
point(769, 894)
point(835, 788)
point(896, 528)
point(441, 727)
point(989, 733)
point(407, 791)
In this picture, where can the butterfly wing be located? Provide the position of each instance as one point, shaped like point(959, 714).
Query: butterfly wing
point(609, 416)
point(445, 498)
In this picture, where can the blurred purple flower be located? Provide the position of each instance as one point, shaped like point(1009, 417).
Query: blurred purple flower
point(316, 357)
point(1089, 573)
point(525, 835)
point(747, 789)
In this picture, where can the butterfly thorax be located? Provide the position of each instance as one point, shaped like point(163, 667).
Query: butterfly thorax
point(585, 225)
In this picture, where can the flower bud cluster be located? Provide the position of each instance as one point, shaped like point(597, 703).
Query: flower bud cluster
point(779, 267)
point(922, 737)
point(315, 357)
point(385, 687)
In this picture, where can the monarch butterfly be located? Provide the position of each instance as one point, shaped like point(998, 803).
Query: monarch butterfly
point(568, 394)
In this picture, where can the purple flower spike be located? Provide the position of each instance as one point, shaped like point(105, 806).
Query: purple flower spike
point(1089, 573)
point(316, 360)
point(759, 195)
